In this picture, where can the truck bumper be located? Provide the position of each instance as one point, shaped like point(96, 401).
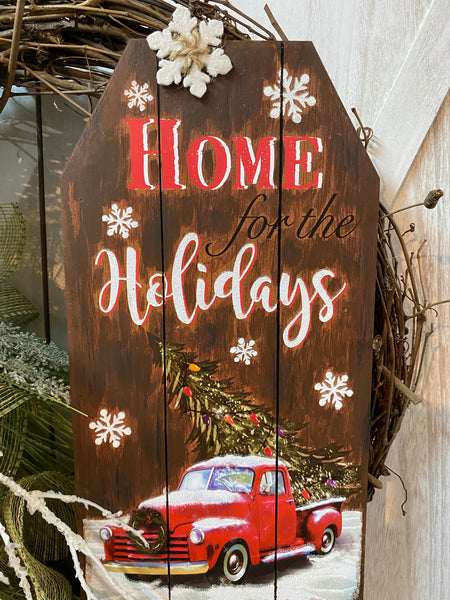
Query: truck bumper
point(157, 568)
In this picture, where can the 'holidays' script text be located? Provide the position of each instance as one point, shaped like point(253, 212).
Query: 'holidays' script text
point(293, 291)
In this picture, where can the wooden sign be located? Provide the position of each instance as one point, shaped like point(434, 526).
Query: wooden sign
point(220, 262)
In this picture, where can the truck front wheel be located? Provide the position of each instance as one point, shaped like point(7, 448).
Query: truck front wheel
point(232, 565)
point(328, 539)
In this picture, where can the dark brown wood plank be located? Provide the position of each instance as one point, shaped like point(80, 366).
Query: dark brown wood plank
point(331, 247)
point(112, 365)
point(223, 221)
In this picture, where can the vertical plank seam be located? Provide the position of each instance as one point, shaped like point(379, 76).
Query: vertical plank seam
point(163, 271)
point(278, 321)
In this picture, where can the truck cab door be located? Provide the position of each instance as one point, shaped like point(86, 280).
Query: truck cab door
point(265, 500)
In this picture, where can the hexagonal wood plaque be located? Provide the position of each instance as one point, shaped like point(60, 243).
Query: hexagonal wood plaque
point(220, 273)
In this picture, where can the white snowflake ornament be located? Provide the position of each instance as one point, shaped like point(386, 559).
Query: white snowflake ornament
point(120, 221)
point(333, 389)
point(244, 351)
point(188, 52)
point(296, 97)
point(110, 426)
point(138, 95)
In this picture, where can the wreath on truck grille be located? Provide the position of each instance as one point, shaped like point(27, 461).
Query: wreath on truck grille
point(146, 518)
point(71, 48)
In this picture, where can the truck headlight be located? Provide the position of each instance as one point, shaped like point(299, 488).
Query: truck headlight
point(196, 536)
point(105, 534)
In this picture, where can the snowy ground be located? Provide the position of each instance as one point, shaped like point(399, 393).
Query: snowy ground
point(332, 577)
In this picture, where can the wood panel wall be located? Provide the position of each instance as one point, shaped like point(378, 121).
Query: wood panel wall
point(390, 63)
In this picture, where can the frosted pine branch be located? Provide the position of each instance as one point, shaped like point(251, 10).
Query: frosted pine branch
point(35, 501)
point(29, 363)
point(15, 564)
point(113, 517)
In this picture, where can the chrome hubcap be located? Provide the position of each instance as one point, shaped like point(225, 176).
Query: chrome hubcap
point(235, 563)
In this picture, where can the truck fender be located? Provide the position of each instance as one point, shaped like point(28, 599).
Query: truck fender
point(221, 531)
point(319, 520)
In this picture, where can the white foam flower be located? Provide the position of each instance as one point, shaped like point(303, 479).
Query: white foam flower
point(188, 52)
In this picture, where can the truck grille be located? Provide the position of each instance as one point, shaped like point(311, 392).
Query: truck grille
point(125, 550)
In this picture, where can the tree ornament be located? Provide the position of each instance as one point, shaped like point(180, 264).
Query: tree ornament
point(279, 431)
point(186, 49)
point(331, 482)
point(187, 390)
point(229, 419)
point(306, 495)
point(254, 418)
point(206, 420)
point(193, 367)
point(268, 452)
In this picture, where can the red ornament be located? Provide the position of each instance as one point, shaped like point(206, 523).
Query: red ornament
point(268, 452)
point(229, 419)
point(187, 390)
point(254, 418)
point(306, 495)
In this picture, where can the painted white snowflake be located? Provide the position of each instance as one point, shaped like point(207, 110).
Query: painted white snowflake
point(110, 426)
point(138, 95)
point(296, 97)
point(333, 389)
point(188, 52)
point(120, 221)
point(244, 351)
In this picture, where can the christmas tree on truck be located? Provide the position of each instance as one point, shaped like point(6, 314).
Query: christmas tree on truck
point(225, 421)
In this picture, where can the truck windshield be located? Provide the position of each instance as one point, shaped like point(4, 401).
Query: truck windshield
point(232, 479)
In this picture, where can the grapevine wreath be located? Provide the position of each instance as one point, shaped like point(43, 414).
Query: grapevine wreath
point(72, 47)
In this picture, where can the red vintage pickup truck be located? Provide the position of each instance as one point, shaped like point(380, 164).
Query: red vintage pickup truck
point(221, 521)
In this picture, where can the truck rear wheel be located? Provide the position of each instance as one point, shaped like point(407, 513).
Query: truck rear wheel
point(232, 565)
point(328, 539)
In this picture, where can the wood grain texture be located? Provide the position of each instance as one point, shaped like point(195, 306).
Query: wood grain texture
point(363, 46)
point(111, 362)
point(296, 273)
point(227, 111)
point(413, 101)
point(394, 566)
